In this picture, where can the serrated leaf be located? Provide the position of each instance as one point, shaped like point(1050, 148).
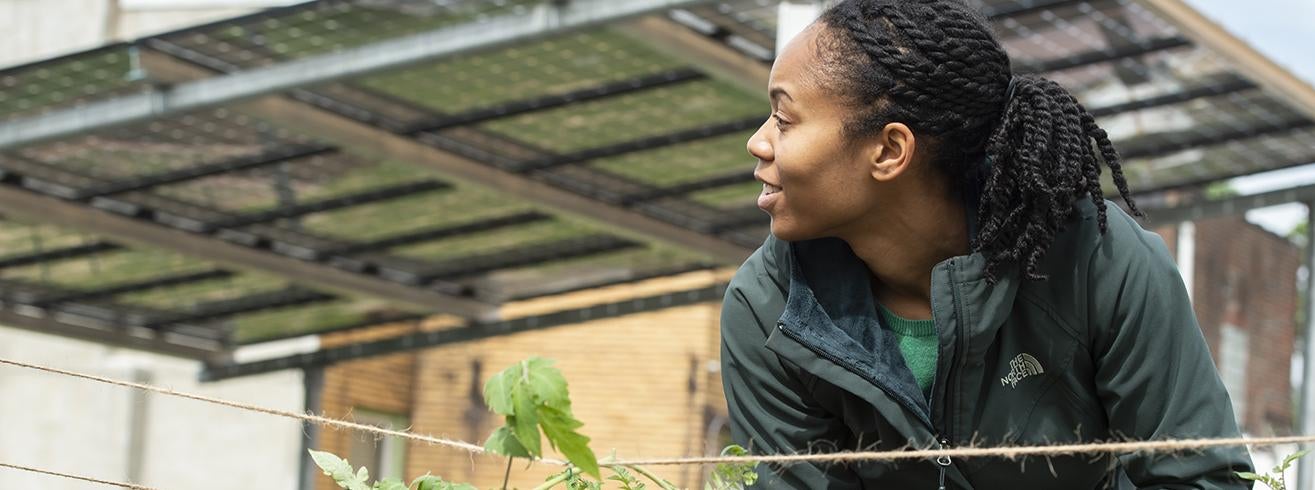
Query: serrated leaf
point(389, 484)
point(363, 474)
point(627, 480)
point(560, 428)
point(339, 470)
point(547, 383)
point(497, 391)
point(503, 442)
point(525, 423)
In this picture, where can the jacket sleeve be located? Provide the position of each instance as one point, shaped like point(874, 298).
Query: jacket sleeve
point(770, 408)
point(1154, 374)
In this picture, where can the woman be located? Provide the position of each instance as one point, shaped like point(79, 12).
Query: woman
point(944, 271)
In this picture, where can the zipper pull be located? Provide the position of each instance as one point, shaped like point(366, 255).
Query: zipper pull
point(944, 463)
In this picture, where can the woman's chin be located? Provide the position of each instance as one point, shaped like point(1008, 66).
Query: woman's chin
point(782, 230)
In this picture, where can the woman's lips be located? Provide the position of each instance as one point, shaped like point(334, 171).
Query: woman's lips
point(768, 197)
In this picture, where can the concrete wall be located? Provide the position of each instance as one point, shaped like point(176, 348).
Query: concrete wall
point(82, 427)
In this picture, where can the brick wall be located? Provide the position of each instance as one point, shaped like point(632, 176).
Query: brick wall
point(1245, 277)
point(643, 384)
point(382, 384)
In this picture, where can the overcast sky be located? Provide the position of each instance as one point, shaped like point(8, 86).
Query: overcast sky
point(1284, 30)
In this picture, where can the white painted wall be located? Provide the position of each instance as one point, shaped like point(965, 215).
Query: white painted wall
point(39, 29)
point(83, 427)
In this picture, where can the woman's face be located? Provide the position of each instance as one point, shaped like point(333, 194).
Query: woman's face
point(815, 183)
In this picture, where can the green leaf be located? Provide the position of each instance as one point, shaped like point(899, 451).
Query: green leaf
point(339, 470)
point(574, 482)
point(547, 383)
point(503, 442)
point(497, 391)
point(525, 423)
point(628, 481)
point(560, 427)
point(733, 476)
point(389, 484)
point(1292, 457)
point(431, 482)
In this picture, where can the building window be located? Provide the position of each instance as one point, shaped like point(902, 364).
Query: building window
point(384, 456)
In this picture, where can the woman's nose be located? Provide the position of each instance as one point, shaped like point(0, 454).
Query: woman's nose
point(758, 145)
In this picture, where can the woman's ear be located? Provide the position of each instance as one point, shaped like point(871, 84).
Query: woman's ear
point(891, 153)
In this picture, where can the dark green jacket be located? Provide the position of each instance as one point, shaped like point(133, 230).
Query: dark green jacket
point(1107, 347)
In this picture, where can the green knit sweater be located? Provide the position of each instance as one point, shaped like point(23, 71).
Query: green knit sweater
point(918, 343)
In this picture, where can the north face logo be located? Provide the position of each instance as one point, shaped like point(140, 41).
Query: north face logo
point(1021, 367)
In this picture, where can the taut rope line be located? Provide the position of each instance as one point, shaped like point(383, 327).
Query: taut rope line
point(130, 486)
point(1174, 445)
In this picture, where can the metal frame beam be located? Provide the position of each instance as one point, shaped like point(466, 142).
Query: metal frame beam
point(440, 233)
point(1264, 71)
point(1228, 206)
point(68, 325)
point(705, 53)
point(133, 229)
point(533, 254)
point(1202, 183)
point(642, 144)
point(571, 285)
point(1196, 139)
point(384, 193)
point(1076, 60)
point(611, 89)
point(248, 162)
point(375, 142)
point(553, 18)
point(1030, 8)
point(421, 340)
point(377, 322)
point(63, 253)
point(135, 287)
point(565, 286)
point(690, 187)
point(102, 322)
point(1229, 86)
point(217, 310)
point(230, 229)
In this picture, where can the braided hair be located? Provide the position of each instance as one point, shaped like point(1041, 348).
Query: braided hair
point(1023, 141)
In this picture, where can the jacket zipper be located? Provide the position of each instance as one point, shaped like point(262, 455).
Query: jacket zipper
point(951, 382)
point(944, 463)
point(952, 379)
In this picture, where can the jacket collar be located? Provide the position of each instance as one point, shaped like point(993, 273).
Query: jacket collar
point(830, 308)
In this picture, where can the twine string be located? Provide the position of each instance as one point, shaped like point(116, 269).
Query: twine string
point(131, 486)
point(1009, 452)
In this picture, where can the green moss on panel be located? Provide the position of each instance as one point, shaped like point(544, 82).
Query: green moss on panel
point(419, 212)
point(729, 197)
point(556, 65)
point(649, 113)
point(493, 241)
point(683, 163)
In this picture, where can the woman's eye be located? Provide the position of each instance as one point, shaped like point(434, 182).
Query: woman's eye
point(780, 122)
